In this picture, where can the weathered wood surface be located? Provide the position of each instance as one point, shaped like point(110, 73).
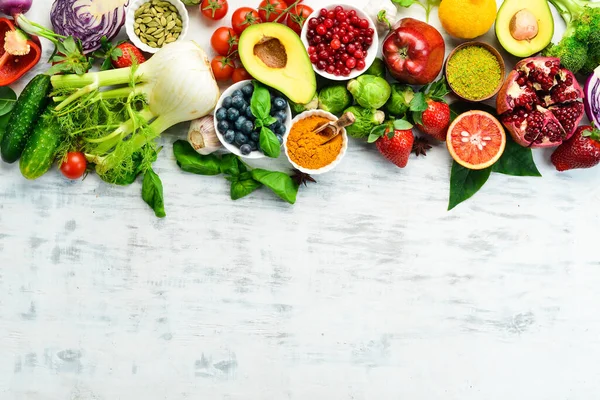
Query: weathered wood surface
point(367, 288)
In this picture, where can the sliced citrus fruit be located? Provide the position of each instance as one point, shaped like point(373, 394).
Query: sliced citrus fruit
point(476, 139)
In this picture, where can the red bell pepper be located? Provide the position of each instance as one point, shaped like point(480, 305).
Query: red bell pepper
point(19, 52)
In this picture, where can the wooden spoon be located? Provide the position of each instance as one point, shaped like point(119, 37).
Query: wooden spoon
point(333, 128)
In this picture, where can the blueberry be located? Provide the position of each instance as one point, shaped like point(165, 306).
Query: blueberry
point(237, 92)
point(245, 149)
point(281, 116)
point(255, 136)
point(247, 127)
point(229, 136)
point(280, 130)
point(240, 122)
point(248, 90)
point(221, 113)
point(222, 126)
point(240, 138)
point(226, 102)
point(233, 114)
point(254, 145)
point(249, 114)
point(279, 103)
point(280, 138)
point(238, 102)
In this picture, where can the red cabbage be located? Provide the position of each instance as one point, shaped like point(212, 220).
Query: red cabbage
point(88, 20)
point(592, 98)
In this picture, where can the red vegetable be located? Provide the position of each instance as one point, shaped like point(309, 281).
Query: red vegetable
point(214, 9)
point(243, 17)
point(297, 17)
point(18, 52)
point(74, 166)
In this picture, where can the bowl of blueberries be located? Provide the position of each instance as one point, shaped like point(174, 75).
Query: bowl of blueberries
point(234, 121)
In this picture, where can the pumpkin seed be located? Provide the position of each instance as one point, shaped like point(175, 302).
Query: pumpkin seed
point(170, 25)
point(151, 30)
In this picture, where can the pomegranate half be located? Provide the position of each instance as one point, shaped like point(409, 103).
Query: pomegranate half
point(540, 103)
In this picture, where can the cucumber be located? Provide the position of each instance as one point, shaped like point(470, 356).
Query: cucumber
point(40, 150)
point(29, 106)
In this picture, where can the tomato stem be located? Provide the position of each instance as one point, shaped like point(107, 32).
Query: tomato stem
point(287, 10)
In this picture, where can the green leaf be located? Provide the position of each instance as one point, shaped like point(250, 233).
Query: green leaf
point(269, 143)
point(465, 182)
point(418, 102)
point(404, 3)
point(152, 193)
point(516, 160)
point(8, 98)
point(231, 165)
point(438, 89)
point(260, 103)
point(269, 121)
point(243, 187)
point(402, 125)
point(281, 184)
point(190, 161)
point(377, 132)
point(69, 45)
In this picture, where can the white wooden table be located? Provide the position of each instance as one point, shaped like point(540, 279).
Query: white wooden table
point(367, 288)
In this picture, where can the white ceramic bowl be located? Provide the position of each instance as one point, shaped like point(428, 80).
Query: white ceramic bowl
point(231, 147)
point(372, 51)
point(130, 20)
point(335, 162)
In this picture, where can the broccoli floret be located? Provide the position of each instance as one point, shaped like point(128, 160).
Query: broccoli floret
point(583, 24)
point(593, 59)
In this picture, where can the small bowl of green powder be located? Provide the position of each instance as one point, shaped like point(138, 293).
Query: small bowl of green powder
point(475, 71)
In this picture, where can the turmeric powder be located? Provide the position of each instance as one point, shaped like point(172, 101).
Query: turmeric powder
point(306, 149)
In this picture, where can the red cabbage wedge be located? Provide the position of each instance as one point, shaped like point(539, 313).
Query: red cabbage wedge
point(592, 97)
point(88, 20)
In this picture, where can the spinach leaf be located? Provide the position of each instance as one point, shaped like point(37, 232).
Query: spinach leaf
point(243, 185)
point(152, 192)
point(190, 161)
point(260, 103)
point(281, 184)
point(269, 143)
point(8, 98)
point(465, 182)
point(516, 160)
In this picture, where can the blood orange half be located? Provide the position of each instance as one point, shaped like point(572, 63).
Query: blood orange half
point(476, 139)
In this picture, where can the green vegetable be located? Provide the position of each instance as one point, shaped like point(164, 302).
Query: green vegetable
point(370, 91)
point(366, 120)
point(281, 184)
point(27, 110)
point(298, 108)
point(41, 149)
point(465, 182)
point(377, 68)
point(399, 101)
point(190, 161)
point(242, 185)
point(8, 98)
point(260, 104)
point(579, 48)
point(426, 4)
point(152, 192)
point(334, 99)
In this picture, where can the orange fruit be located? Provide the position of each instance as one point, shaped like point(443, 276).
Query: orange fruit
point(476, 139)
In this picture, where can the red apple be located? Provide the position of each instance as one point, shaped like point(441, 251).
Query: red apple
point(414, 52)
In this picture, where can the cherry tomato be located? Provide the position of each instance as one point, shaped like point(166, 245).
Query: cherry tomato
point(243, 17)
point(269, 10)
point(240, 74)
point(224, 40)
point(74, 166)
point(214, 9)
point(298, 16)
point(222, 68)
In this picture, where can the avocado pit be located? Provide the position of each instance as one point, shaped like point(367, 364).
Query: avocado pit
point(271, 52)
point(523, 25)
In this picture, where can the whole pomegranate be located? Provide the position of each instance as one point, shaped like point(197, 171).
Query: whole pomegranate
point(540, 102)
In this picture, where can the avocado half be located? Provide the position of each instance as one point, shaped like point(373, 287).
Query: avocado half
point(512, 23)
point(274, 55)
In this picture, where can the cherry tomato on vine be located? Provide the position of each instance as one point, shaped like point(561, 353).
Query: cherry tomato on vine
point(214, 9)
point(243, 17)
point(224, 41)
point(297, 17)
point(240, 74)
point(269, 10)
point(222, 68)
point(74, 166)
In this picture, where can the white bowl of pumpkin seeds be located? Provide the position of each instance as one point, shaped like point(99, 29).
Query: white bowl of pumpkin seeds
point(151, 24)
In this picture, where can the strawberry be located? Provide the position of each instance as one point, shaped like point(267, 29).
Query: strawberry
point(582, 150)
point(394, 140)
point(119, 56)
point(430, 111)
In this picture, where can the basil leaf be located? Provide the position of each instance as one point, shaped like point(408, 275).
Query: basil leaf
point(230, 164)
point(516, 160)
point(260, 103)
point(269, 121)
point(465, 182)
point(152, 193)
point(281, 184)
point(269, 143)
point(243, 187)
point(8, 98)
point(190, 161)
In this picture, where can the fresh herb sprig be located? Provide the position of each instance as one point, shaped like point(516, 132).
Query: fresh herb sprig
point(260, 105)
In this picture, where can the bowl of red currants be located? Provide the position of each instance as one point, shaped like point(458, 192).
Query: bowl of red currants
point(341, 41)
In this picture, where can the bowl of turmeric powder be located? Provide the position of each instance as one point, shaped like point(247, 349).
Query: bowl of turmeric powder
point(310, 152)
